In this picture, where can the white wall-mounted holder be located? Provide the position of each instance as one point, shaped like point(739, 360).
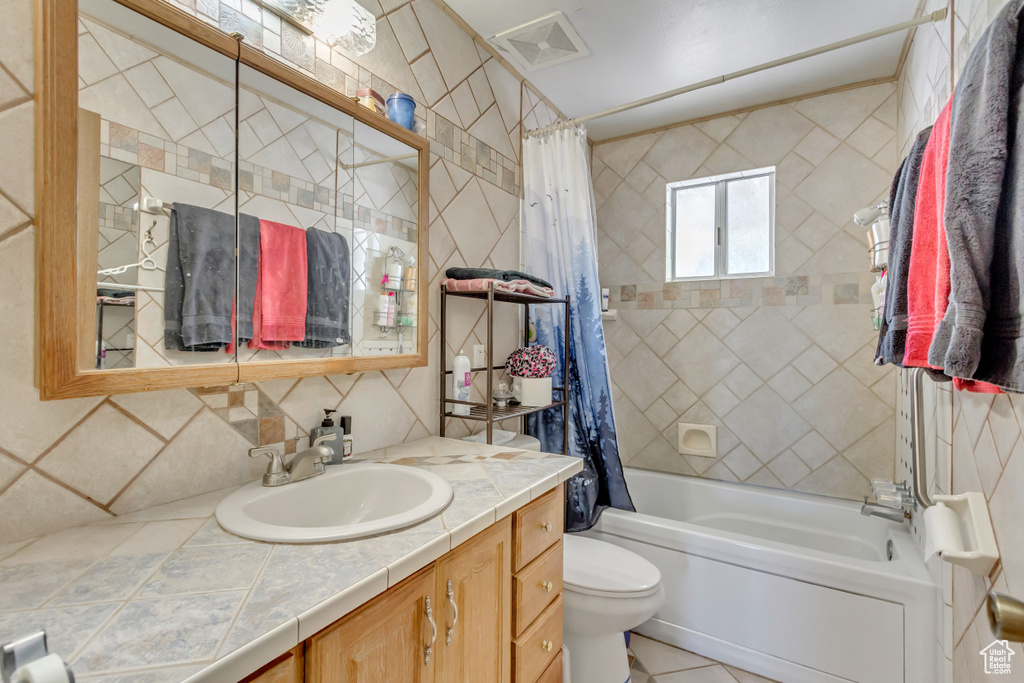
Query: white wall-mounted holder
point(695, 439)
point(611, 314)
point(959, 529)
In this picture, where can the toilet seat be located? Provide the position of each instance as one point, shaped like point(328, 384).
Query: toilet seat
point(592, 567)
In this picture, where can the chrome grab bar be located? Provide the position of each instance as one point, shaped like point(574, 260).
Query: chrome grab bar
point(917, 444)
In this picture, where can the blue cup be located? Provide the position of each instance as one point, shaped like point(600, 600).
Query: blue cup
point(400, 109)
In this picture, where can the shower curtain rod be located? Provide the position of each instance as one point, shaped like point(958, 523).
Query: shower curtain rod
point(935, 16)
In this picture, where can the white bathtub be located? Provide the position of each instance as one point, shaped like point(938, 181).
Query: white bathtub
point(795, 587)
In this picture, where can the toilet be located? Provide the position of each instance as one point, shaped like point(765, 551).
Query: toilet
point(606, 590)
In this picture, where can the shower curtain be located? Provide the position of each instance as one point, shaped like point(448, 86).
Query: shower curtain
point(560, 245)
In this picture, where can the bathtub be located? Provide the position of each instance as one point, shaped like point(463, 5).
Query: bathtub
point(794, 587)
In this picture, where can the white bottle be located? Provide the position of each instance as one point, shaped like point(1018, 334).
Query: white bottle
point(382, 310)
point(391, 309)
point(462, 378)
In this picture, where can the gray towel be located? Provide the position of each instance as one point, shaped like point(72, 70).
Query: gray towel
point(327, 291)
point(199, 284)
point(248, 264)
point(491, 273)
point(979, 336)
point(892, 337)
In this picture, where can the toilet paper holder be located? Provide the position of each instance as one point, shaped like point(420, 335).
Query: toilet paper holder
point(980, 550)
point(25, 651)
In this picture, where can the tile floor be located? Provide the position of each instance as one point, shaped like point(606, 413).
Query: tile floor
point(654, 662)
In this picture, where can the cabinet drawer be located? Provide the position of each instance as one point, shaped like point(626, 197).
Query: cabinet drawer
point(538, 645)
point(535, 586)
point(553, 674)
point(537, 526)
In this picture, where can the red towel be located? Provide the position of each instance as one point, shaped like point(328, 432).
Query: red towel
point(928, 278)
point(279, 313)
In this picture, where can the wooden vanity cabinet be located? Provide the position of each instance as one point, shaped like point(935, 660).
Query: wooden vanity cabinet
point(288, 668)
point(495, 601)
point(537, 589)
point(388, 640)
point(476, 580)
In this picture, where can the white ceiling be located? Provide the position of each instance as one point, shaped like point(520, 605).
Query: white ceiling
point(640, 48)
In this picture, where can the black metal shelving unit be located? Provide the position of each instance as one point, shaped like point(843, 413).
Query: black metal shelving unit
point(487, 412)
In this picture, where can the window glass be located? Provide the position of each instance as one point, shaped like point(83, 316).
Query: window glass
point(748, 226)
point(721, 226)
point(694, 222)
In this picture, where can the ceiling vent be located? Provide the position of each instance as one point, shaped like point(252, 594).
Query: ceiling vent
point(542, 42)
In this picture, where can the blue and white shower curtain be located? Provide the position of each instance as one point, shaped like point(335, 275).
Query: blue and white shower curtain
point(560, 245)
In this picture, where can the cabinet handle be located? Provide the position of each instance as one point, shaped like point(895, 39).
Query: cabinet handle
point(546, 526)
point(433, 628)
point(547, 586)
point(546, 645)
point(455, 610)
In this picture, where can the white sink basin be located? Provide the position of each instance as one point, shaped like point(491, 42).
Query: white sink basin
point(348, 501)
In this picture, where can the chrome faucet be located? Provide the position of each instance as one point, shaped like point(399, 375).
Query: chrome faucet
point(306, 464)
point(899, 501)
point(876, 510)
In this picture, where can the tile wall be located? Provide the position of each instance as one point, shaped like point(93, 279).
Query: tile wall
point(782, 365)
point(986, 432)
point(58, 464)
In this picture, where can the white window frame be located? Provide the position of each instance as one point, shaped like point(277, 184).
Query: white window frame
point(721, 221)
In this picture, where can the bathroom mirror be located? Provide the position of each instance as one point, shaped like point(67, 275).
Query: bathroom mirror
point(226, 217)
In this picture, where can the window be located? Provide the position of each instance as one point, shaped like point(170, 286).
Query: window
point(721, 227)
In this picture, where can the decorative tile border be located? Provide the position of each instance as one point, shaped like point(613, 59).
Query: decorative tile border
point(802, 290)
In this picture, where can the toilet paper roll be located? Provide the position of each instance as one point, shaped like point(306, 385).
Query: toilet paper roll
point(942, 531)
point(48, 669)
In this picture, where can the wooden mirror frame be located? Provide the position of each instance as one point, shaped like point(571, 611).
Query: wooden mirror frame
point(61, 303)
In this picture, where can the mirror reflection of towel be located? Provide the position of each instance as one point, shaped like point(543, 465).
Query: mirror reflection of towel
point(279, 312)
point(327, 308)
point(199, 284)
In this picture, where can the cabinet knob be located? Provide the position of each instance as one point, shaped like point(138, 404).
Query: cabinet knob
point(546, 526)
point(546, 645)
point(547, 586)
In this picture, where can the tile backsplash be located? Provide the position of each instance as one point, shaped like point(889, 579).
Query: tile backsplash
point(781, 365)
point(59, 466)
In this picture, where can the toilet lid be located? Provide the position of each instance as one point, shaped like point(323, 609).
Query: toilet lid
point(599, 568)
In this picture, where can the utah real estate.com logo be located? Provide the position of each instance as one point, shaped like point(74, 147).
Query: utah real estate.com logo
point(997, 657)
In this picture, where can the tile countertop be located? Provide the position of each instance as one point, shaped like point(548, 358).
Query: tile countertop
point(165, 595)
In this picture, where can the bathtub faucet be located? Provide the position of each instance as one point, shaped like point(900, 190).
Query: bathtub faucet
point(876, 510)
point(892, 501)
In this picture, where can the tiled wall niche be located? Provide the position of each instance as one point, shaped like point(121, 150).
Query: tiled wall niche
point(59, 466)
point(782, 365)
point(978, 438)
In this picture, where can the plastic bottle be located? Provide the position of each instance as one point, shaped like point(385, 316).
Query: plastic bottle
point(329, 427)
point(382, 310)
point(391, 309)
point(462, 379)
point(347, 443)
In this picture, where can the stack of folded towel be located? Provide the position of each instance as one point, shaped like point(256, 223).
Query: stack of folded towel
point(481, 279)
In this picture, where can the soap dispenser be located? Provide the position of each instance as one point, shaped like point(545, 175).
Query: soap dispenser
point(328, 427)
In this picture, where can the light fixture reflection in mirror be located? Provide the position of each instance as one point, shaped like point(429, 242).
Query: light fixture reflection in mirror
point(344, 24)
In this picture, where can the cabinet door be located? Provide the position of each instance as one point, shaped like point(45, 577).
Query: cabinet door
point(474, 582)
point(285, 669)
point(385, 641)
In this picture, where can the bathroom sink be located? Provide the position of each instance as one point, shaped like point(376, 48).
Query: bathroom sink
point(348, 501)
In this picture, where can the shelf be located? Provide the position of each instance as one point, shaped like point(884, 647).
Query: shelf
point(478, 412)
point(509, 297)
